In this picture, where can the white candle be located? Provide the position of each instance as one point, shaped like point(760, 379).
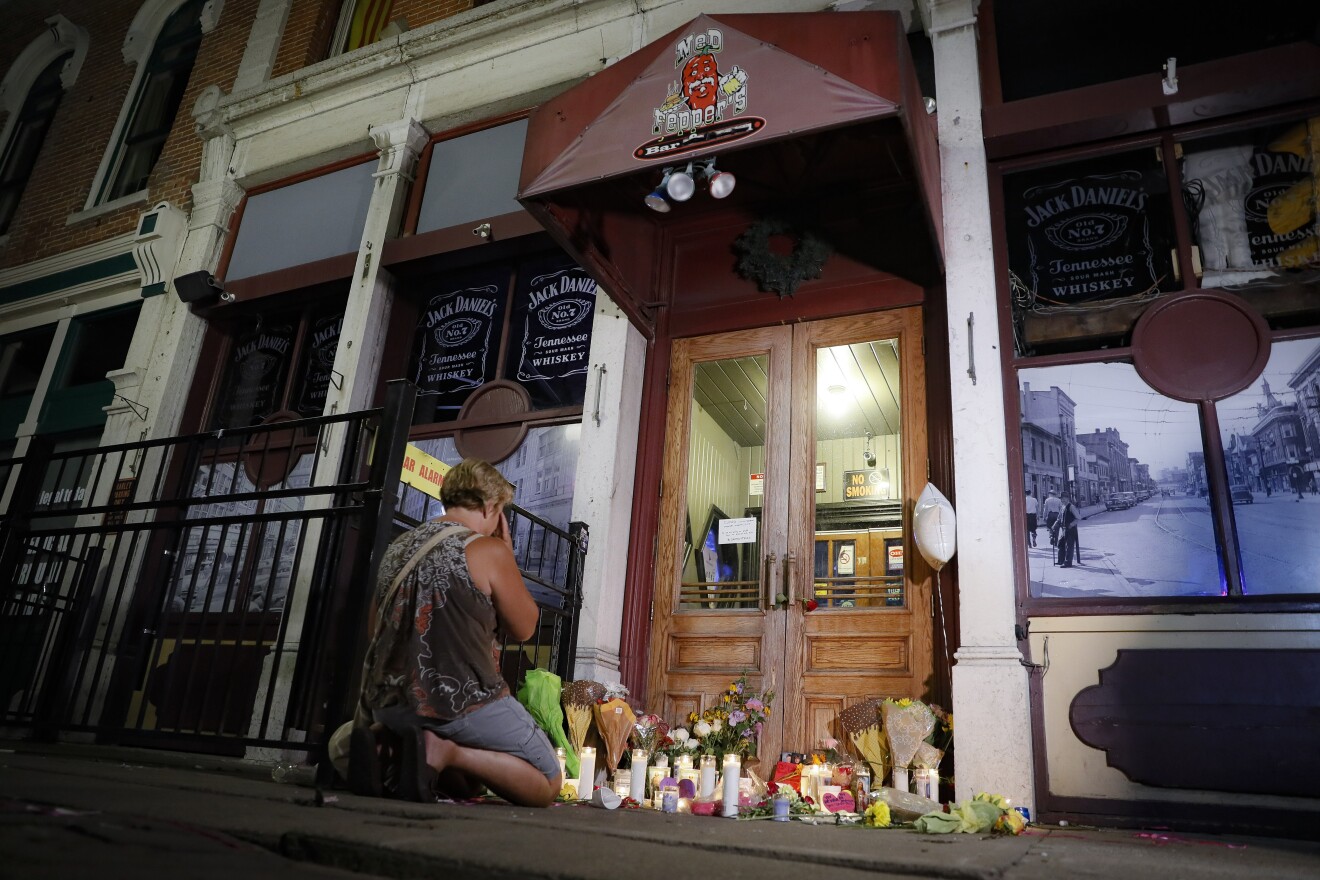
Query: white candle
point(683, 762)
point(732, 772)
point(661, 761)
point(901, 778)
point(587, 776)
point(707, 787)
point(562, 755)
point(639, 775)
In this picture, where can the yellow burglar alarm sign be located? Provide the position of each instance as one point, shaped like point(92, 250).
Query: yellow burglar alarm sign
point(423, 471)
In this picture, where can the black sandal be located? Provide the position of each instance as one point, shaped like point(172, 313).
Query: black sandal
point(364, 775)
point(416, 777)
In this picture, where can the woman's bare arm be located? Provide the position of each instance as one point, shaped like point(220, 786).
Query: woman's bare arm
point(495, 572)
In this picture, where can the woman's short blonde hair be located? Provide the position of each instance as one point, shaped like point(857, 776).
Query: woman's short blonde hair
point(473, 484)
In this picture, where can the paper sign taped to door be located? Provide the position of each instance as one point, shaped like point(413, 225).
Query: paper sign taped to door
point(738, 531)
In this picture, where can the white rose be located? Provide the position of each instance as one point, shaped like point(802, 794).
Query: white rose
point(679, 735)
point(716, 725)
point(691, 745)
point(702, 728)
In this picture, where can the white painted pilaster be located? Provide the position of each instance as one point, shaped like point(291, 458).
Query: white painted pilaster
point(990, 686)
point(263, 44)
point(603, 489)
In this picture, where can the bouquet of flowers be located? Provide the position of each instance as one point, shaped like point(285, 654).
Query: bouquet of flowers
point(931, 751)
point(649, 733)
point(908, 723)
point(733, 724)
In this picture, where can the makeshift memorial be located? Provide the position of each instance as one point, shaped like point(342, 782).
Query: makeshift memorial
point(907, 724)
point(614, 721)
point(782, 801)
point(540, 693)
point(837, 801)
point(861, 724)
point(984, 812)
point(735, 723)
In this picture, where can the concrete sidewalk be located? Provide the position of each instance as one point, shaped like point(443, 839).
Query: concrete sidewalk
point(205, 817)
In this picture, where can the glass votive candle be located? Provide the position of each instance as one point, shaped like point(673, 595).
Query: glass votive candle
point(683, 762)
point(562, 755)
point(661, 761)
point(623, 783)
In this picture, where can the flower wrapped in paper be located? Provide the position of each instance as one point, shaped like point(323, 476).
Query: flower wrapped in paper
point(861, 727)
point(541, 692)
point(614, 721)
point(907, 725)
point(579, 699)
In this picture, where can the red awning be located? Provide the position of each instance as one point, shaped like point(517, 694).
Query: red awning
point(753, 90)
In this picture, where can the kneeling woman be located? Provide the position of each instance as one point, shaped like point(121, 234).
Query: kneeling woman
point(448, 591)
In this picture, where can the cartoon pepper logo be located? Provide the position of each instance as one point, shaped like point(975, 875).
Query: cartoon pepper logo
point(701, 85)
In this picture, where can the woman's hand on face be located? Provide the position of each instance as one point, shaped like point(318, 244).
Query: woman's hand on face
point(501, 530)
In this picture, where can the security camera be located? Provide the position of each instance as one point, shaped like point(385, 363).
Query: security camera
point(226, 296)
point(869, 457)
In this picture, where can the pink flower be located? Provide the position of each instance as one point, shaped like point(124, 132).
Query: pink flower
point(830, 742)
point(755, 705)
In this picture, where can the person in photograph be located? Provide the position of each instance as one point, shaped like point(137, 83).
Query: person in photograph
point(1069, 547)
point(1033, 509)
point(1052, 507)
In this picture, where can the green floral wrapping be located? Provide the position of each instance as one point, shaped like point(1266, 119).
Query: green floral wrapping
point(540, 694)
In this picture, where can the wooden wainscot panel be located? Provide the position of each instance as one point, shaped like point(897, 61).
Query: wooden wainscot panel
point(851, 653)
point(679, 705)
point(822, 711)
point(1242, 721)
point(687, 653)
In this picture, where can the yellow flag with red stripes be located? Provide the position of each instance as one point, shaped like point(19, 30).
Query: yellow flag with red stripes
point(369, 19)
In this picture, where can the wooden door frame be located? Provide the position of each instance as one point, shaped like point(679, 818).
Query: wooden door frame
point(685, 353)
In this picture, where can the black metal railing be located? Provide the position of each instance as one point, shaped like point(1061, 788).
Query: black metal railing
point(210, 592)
point(187, 591)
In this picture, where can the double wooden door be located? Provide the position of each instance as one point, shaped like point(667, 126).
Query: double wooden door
point(793, 457)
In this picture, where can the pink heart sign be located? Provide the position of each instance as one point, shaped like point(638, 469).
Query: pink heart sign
point(837, 803)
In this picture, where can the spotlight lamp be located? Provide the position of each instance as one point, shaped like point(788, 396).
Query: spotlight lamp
point(680, 185)
point(719, 183)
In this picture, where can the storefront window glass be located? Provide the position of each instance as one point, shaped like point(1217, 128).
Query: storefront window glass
point(1133, 466)
point(1250, 200)
point(1089, 231)
point(1272, 456)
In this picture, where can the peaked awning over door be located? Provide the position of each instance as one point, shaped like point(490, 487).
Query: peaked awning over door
point(732, 86)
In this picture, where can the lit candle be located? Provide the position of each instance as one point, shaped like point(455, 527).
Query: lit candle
point(900, 775)
point(563, 761)
point(707, 787)
point(683, 762)
point(732, 772)
point(661, 761)
point(638, 774)
point(623, 783)
point(587, 775)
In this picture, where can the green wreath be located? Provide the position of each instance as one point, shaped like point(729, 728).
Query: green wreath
point(776, 273)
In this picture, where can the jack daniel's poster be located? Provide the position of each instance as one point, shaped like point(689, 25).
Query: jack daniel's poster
point(319, 361)
point(553, 311)
point(257, 367)
point(1077, 238)
point(457, 342)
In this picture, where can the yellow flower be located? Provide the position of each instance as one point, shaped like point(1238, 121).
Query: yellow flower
point(726, 698)
point(1010, 823)
point(692, 717)
point(877, 815)
point(905, 702)
point(767, 711)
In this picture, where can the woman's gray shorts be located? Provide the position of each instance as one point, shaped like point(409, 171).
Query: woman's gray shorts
point(503, 725)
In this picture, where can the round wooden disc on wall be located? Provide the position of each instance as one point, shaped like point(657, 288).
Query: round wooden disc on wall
point(1200, 345)
point(499, 401)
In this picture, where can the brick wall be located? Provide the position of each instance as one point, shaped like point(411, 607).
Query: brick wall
point(311, 26)
point(82, 127)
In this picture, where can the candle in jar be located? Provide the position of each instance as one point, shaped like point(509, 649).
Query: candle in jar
point(639, 775)
point(732, 772)
point(562, 755)
point(690, 776)
point(707, 786)
point(587, 775)
point(811, 782)
point(661, 761)
point(683, 762)
point(623, 783)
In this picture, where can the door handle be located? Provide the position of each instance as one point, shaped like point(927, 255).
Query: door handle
point(767, 582)
point(790, 560)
